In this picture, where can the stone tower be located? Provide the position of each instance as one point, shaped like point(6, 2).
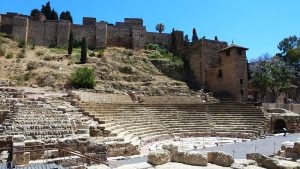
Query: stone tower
point(234, 71)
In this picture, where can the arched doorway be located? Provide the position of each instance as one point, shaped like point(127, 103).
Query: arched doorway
point(279, 124)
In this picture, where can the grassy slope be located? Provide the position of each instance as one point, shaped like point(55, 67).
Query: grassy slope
point(117, 70)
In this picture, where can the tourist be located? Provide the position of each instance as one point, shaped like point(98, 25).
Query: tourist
point(284, 131)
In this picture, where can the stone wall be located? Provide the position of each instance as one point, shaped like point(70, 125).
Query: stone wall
point(42, 33)
point(89, 21)
point(138, 37)
point(201, 56)
point(163, 39)
point(129, 34)
point(20, 29)
point(63, 31)
point(292, 122)
point(119, 37)
point(101, 35)
point(7, 24)
point(87, 31)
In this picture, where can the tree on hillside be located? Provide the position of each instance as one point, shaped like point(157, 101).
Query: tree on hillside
point(83, 57)
point(71, 43)
point(293, 58)
point(46, 10)
point(186, 40)
point(195, 36)
point(160, 27)
point(288, 43)
point(66, 16)
point(35, 12)
point(290, 51)
point(270, 74)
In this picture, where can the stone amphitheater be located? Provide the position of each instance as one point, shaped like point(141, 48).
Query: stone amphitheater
point(85, 126)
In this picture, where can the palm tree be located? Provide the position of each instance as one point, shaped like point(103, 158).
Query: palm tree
point(160, 27)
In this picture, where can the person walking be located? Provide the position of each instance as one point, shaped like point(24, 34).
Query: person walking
point(284, 131)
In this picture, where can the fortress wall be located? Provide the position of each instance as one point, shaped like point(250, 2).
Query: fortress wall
point(50, 33)
point(87, 31)
point(42, 33)
point(7, 24)
point(192, 55)
point(119, 37)
point(134, 21)
point(201, 56)
point(139, 37)
point(36, 32)
point(214, 81)
point(101, 35)
point(20, 28)
point(63, 31)
point(161, 39)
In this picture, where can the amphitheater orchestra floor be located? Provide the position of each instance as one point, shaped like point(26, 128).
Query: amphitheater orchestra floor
point(239, 150)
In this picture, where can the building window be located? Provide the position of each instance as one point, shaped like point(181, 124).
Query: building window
point(239, 52)
point(220, 74)
point(241, 81)
point(242, 92)
point(228, 53)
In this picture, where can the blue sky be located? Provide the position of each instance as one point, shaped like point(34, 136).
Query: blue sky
point(256, 24)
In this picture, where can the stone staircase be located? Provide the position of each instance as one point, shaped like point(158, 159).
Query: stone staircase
point(143, 123)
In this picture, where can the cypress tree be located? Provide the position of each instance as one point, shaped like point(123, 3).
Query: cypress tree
point(186, 40)
point(46, 10)
point(195, 36)
point(71, 43)
point(216, 38)
point(83, 51)
point(53, 15)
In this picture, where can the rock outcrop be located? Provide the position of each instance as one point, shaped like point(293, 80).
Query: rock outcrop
point(220, 158)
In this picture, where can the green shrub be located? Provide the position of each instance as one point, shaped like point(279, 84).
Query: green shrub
point(39, 53)
point(9, 55)
point(21, 43)
point(83, 78)
point(22, 53)
point(152, 46)
point(2, 50)
point(100, 53)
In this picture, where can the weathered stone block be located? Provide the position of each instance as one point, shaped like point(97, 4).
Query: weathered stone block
point(190, 158)
point(220, 158)
point(159, 157)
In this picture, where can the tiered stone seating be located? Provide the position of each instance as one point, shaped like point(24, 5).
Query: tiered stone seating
point(40, 118)
point(236, 119)
point(142, 123)
point(37, 120)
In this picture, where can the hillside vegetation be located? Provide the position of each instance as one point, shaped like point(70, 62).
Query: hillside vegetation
point(116, 69)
